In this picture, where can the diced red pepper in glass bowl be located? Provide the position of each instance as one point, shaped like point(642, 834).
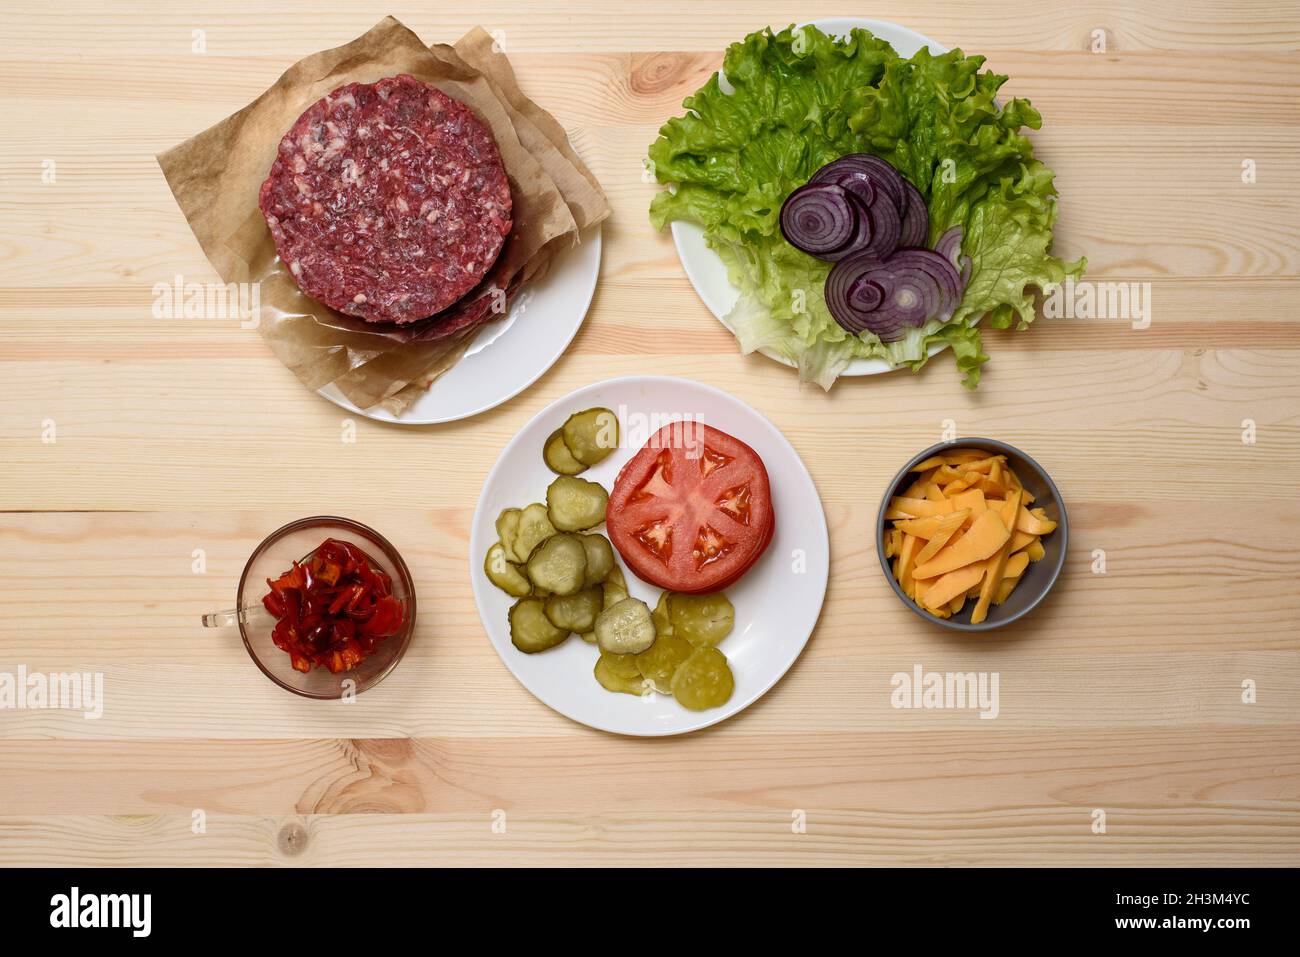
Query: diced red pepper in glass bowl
point(333, 608)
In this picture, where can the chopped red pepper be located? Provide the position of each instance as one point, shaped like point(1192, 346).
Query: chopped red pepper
point(333, 609)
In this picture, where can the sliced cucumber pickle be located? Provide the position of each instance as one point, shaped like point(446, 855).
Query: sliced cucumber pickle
point(507, 528)
point(619, 673)
point(574, 504)
point(600, 557)
point(615, 588)
point(505, 575)
point(660, 661)
point(591, 435)
point(576, 612)
point(530, 630)
point(663, 624)
point(557, 456)
point(589, 637)
point(533, 529)
point(703, 620)
point(625, 628)
point(558, 565)
point(703, 680)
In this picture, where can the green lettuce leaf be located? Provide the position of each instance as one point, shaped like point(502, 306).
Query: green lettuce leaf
point(799, 99)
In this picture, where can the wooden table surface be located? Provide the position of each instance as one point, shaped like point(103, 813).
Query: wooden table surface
point(1123, 694)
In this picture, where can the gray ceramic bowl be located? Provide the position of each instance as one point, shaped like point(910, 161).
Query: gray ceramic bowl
point(1037, 579)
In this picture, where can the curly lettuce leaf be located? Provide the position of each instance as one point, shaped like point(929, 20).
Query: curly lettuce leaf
point(800, 99)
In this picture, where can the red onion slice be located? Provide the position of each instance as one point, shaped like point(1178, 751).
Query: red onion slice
point(886, 228)
point(865, 295)
point(886, 298)
point(819, 218)
point(940, 270)
point(857, 167)
point(863, 231)
point(916, 218)
point(949, 245)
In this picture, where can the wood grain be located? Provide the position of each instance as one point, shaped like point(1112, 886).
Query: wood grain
point(1123, 693)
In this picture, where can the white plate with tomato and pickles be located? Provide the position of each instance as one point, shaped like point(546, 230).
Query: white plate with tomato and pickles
point(649, 555)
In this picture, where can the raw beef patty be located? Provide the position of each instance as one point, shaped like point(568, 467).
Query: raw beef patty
point(387, 200)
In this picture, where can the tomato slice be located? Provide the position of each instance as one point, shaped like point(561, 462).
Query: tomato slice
point(692, 511)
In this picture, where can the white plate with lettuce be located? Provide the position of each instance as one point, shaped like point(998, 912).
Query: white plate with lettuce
point(787, 103)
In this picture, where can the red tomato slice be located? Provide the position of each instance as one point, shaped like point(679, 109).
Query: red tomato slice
point(692, 511)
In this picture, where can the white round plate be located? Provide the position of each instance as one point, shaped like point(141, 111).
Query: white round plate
point(777, 602)
point(507, 357)
point(703, 266)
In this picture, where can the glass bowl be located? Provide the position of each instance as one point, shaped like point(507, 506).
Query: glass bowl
point(274, 556)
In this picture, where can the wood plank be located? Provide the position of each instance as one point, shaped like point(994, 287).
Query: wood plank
point(451, 775)
point(1193, 836)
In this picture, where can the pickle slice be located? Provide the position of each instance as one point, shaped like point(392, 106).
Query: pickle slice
point(557, 456)
point(530, 630)
point(703, 680)
point(660, 661)
point(507, 528)
point(591, 435)
point(574, 504)
point(600, 557)
point(503, 574)
point(589, 637)
point(622, 665)
point(663, 624)
point(625, 628)
point(619, 673)
point(702, 620)
point(615, 587)
point(558, 565)
point(576, 612)
point(534, 528)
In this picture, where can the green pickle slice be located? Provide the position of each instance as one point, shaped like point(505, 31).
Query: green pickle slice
point(530, 630)
point(576, 612)
point(703, 680)
point(600, 557)
point(574, 504)
point(660, 661)
point(507, 529)
point(625, 628)
point(557, 456)
point(615, 588)
point(534, 528)
point(663, 624)
point(703, 620)
point(591, 435)
point(505, 575)
point(558, 565)
point(619, 673)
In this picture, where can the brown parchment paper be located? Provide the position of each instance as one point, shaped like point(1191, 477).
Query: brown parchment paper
point(215, 177)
